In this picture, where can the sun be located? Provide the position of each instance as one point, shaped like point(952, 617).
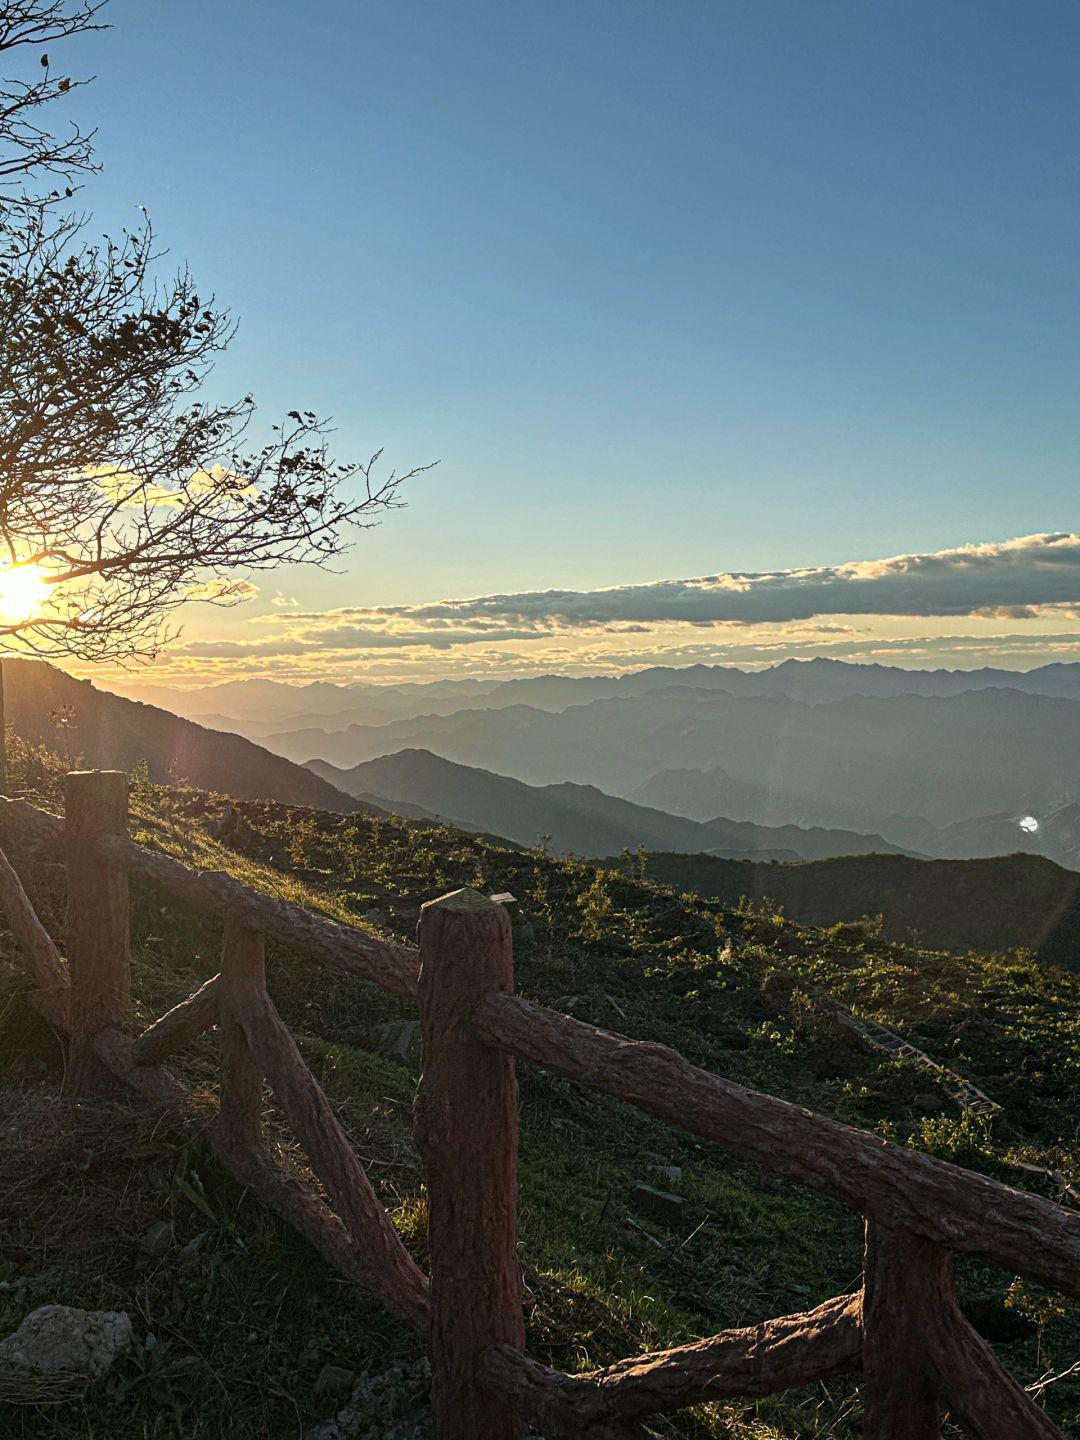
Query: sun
point(23, 589)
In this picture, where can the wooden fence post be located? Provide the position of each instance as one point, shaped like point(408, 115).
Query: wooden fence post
point(908, 1287)
point(3, 735)
point(243, 968)
point(467, 1127)
point(98, 915)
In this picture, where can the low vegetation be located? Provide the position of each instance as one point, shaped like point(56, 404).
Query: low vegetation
point(235, 1318)
point(994, 903)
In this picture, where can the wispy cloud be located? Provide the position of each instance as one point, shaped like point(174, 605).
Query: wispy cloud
point(1018, 600)
point(1033, 577)
point(1033, 571)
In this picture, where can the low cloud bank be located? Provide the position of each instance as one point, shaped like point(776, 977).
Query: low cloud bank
point(1033, 577)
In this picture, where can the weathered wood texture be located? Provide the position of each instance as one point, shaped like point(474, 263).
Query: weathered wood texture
point(35, 942)
point(3, 734)
point(96, 932)
point(467, 1129)
point(343, 948)
point(908, 1279)
point(921, 1357)
point(902, 1188)
point(24, 821)
point(296, 1203)
point(758, 1360)
point(180, 1025)
point(978, 1391)
point(243, 973)
point(388, 1269)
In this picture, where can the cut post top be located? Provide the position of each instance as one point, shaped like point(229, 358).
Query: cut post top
point(464, 899)
point(95, 801)
point(110, 786)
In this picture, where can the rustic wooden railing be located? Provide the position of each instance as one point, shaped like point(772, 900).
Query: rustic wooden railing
point(918, 1355)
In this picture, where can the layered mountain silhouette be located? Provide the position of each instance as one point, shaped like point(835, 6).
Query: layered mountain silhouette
point(937, 762)
point(572, 819)
point(940, 760)
point(261, 707)
point(766, 787)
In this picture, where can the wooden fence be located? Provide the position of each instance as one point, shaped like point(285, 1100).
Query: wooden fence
point(904, 1330)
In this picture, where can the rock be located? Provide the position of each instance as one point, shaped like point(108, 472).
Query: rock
point(334, 1381)
point(59, 1338)
point(392, 1405)
point(659, 1204)
point(399, 1039)
point(157, 1239)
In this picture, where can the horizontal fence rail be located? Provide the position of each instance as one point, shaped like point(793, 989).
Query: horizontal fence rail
point(904, 1329)
point(874, 1177)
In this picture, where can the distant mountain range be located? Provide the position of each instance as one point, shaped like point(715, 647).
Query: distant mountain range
point(108, 732)
point(261, 707)
point(700, 793)
point(996, 904)
point(572, 819)
point(718, 788)
point(863, 764)
point(950, 764)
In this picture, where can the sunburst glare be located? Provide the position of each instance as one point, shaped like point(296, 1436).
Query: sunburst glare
point(23, 589)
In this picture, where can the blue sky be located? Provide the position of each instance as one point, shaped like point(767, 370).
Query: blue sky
point(670, 289)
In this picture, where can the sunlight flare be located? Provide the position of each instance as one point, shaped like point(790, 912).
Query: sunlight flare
point(23, 589)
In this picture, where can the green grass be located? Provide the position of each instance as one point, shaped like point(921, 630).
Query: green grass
point(236, 1316)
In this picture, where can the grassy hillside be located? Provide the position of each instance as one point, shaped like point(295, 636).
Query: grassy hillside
point(95, 728)
point(1005, 903)
point(235, 1317)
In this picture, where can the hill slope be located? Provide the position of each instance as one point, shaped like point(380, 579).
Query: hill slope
point(576, 819)
point(108, 732)
point(1009, 902)
point(244, 1316)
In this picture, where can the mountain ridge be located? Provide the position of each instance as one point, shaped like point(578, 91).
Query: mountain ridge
point(107, 731)
point(573, 818)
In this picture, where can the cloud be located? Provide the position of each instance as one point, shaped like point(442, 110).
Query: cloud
point(1036, 576)
point(1033, 571)
point(747, 617)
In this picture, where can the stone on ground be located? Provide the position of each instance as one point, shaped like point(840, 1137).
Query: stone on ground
point(58, 1338)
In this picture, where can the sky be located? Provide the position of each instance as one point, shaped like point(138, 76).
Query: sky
point(708, 299)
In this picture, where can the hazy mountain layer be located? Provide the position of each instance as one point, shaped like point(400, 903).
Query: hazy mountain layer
point(263, 707)
point(698, 794)
point(573, 819)
point(941, 760)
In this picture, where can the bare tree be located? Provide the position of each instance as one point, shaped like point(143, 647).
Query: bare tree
point(29, 152)
point(123, 493)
